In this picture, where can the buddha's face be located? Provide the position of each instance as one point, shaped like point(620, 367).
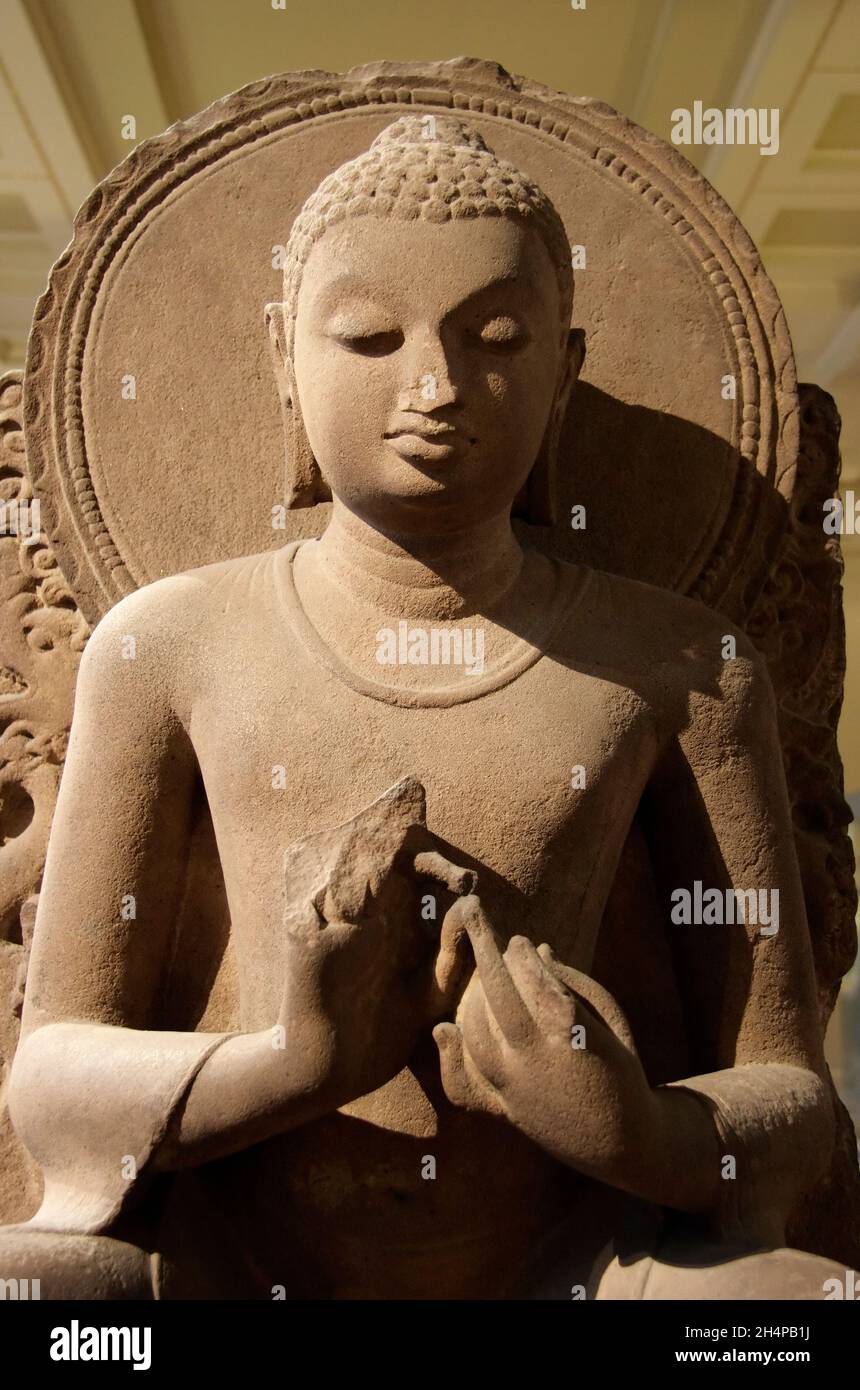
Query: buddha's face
point(427, 360)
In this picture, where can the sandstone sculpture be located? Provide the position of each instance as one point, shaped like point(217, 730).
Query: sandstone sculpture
point(456, 775)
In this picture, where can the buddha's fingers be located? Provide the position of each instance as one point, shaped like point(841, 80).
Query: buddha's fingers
point(507, 1006)
point(430, 864)
point(453, 965)
point(551, 1005)
point(462, 1081)
point(594, 995)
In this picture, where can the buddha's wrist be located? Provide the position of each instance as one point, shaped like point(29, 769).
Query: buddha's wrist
point(294, 1077)
point(252, 1088)
point(773, 1124)
point(678, 1164)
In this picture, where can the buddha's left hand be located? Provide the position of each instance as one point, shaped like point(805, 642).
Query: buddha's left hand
point(525, 1047)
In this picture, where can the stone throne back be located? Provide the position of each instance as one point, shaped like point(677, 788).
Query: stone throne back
point(155, 443)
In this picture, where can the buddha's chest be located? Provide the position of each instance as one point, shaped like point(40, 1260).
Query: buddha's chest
point(534, 784)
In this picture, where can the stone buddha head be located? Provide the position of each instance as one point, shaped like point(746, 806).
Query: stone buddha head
point(423, 350)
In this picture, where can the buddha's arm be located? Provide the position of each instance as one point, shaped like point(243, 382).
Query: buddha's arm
point(560, 1064)
point(719, 815)
point(96, 1091)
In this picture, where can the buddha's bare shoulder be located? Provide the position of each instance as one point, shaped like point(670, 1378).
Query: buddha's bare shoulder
point(662, 644)
point(181, 602)
point(157, 639)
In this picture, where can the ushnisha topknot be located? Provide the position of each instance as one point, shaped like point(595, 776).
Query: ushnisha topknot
point(431, 167)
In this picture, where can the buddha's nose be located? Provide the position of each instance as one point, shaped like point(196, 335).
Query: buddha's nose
point(431, 383)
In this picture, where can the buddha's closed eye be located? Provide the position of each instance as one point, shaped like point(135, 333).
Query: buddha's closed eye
point(502, 333)
point(368, 333)
point(370, 344)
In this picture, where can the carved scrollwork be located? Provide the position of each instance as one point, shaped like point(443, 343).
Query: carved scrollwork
point(797, 624)
point(43, 634)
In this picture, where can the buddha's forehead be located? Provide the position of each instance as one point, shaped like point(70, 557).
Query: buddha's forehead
point(428, 264)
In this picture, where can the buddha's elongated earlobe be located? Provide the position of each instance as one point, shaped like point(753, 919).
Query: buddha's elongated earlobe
point(304, 485)
point(537, 503)
point(540, 495)
point(534, 503)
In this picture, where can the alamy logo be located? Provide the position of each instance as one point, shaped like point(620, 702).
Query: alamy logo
point(847, 1288)
point(20, 1289)
point(22, 519)
point(842, 517)
point(76, 1343)
point(708, 125)
point(726, 906)
point(440, 646)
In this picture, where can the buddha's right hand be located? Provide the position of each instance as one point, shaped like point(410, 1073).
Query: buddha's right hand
point(359, 993)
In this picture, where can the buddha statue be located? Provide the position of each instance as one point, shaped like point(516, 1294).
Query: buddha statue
point(427, 1093)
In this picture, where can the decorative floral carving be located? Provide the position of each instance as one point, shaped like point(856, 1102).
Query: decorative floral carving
point(797, 623)
point(43, 634)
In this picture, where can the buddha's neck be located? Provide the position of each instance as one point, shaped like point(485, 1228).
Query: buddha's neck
point(439, 576)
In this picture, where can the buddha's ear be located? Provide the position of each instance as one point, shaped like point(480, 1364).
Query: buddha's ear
point(304, 484)
point(536, 502)
point(276, 323)
point(573, 359)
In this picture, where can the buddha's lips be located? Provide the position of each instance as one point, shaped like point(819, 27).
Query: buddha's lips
point(413, 422)
point(431, 441)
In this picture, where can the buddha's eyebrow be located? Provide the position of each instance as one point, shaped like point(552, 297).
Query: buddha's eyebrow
point(496, 282)
point(348, 280)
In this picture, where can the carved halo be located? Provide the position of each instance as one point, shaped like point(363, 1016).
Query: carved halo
point(171, 264)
